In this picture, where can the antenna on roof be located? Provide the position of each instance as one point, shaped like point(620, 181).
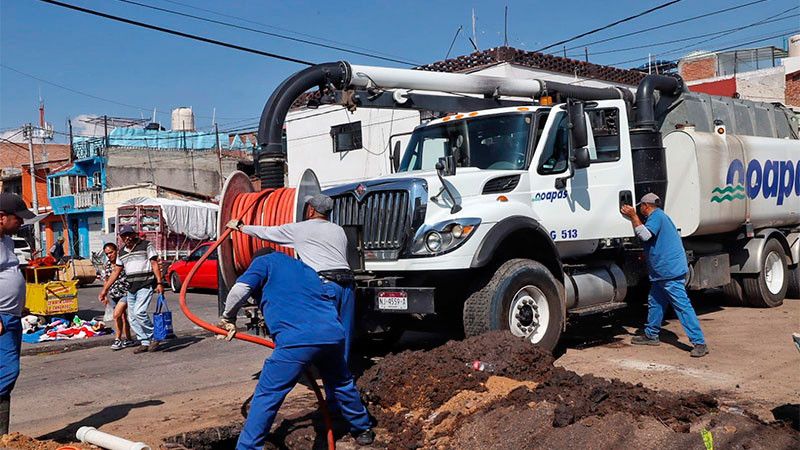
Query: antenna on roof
point(505, 29)
point(474, 35)
point(460, 27)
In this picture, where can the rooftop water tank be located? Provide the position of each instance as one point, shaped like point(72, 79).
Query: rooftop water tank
point(182, 119)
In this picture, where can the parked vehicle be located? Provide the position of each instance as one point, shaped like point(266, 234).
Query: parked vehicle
point(23, 250)
point(509, 217)
point(206, 277)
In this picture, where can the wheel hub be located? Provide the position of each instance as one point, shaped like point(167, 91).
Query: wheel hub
point(527, 313)
point(773, 272)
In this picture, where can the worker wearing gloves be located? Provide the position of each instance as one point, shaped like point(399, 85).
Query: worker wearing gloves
point(323, 246)
point(12, 301)
point(666, 261)
point(305, 328)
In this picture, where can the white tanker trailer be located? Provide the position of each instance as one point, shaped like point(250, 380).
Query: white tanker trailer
point(506, 215)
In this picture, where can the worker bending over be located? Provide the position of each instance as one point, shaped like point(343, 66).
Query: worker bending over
point(666, 261)
point(322, 245)
point(306, 330)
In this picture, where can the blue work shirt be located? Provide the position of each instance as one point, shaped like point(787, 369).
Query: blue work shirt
point(292, 300)
point(666, 258)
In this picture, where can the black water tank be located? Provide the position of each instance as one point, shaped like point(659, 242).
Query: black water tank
point(649, 164)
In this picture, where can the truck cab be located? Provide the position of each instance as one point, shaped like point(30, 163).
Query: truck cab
point(476, 190)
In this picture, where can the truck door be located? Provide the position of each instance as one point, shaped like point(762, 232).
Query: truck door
point(588, 206)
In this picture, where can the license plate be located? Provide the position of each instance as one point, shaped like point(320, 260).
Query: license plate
point(397, 301)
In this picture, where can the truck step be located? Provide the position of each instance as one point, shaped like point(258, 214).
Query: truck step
point(597, 309)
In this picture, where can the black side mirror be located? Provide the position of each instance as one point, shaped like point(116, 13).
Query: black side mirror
point(577, 124)
point(580, 158)
point(446, 166)
point(396, 156)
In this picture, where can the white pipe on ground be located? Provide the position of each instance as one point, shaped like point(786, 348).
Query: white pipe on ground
point(391, 78)
point(91, 435)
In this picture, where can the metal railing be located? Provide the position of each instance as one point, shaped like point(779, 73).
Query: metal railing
point(88, 199)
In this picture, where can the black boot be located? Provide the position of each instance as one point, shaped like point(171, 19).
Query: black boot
point(5, 414)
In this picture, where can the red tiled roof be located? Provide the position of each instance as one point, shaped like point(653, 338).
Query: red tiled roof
point(536, 60)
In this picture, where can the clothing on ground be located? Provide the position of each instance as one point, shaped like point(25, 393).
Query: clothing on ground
point(138, 303)
point(319, 243)
point(292, 300)
point(136, 262)
point(672, 292)
point(279, 375)
point(10, 346)
point(12, 294)
point(666, 258)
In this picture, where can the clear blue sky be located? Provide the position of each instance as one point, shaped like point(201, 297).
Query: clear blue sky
point(148, 69)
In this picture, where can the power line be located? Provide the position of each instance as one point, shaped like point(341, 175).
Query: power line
point(699, 36)
point(605, 27)
point(689, 19)
point(757, 23)
point(267, 33)
point(180, 33)
point(323, 39)
point(711, 51)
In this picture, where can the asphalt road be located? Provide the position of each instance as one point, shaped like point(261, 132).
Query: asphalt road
point(197, 382)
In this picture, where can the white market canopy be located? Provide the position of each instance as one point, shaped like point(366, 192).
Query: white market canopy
point(196, 220)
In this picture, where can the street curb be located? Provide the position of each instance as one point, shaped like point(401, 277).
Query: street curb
point(55, 347)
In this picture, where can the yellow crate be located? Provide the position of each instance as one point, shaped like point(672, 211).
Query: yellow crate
point(52, 297)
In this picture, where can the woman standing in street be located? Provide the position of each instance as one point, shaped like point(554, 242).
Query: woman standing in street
point(117, 295)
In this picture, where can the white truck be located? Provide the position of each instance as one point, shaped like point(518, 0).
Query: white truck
point(507, 214)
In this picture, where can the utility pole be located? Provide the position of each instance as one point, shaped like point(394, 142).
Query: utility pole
point(71, 144)
point(28, 132)
point(586, 50)
point(219, 156)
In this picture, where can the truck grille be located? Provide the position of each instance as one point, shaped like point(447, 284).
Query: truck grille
point(383, 217)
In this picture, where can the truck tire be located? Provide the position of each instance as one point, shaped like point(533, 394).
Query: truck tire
point(733, 293)
point(520, 285)
point(768, 288)
point(793, 291)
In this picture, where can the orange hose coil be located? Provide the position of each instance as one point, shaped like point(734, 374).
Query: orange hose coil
point(276, 209)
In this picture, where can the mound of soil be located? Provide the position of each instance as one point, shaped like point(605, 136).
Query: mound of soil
point(434, 399)
point(21, 441)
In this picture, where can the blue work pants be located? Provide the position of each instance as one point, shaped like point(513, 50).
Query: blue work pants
point(672, 292)
point(344, 297)
point(10, 346)
point(281, 372)
point(140, 322)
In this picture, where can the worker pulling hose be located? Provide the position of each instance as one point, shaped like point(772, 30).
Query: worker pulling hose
point(295, 350)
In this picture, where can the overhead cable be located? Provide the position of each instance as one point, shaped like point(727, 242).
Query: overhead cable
point(267, 33)
point(179, 33)
point(605, 27)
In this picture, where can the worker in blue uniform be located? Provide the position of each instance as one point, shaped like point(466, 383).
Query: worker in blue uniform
point(305, 327)
point(666, 262)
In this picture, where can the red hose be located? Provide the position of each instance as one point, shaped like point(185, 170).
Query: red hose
point(244, 247)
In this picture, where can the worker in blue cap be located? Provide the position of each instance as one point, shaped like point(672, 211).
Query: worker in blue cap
point(305, 327)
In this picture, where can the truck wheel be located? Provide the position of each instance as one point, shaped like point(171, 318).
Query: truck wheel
point(522, 296)
point(793, 291)
point(768, 288)
point(175, 282)
point(733, 293)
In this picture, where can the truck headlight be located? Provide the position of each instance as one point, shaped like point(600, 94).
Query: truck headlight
point(433, 240)
point(443, 237)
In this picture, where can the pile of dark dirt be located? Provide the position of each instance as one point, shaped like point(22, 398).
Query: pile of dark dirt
point(434, 399)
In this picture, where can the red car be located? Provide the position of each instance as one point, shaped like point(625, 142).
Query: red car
point(206, 276)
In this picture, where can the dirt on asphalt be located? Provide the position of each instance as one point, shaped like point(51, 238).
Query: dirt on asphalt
point(434, 399)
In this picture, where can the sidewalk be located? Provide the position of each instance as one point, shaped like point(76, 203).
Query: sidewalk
point(202, 303)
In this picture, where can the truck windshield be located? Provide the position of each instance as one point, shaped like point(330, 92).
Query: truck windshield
point(490, 142)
